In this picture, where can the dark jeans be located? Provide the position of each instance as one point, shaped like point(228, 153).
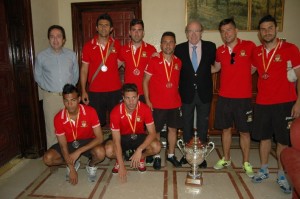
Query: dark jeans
point(202, 110)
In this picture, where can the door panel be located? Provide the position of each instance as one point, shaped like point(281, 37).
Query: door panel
point(120, 19)
point(9, 134)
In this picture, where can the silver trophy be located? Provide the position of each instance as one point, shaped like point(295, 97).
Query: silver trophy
point(195, 153)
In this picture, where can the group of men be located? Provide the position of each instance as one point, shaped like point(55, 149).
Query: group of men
point(165, 88)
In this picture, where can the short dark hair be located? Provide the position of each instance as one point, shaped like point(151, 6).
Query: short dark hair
point(227, 21)
point(129, 87)
point(70, 88)
point(168, 33)
point(57, 27)
point(105, 16)
point(134, 22)
point(267, 18)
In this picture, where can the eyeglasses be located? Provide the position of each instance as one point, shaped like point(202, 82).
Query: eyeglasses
point(232, 55)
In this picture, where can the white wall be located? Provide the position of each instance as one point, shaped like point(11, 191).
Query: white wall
point(159, 16)
point(44, 14)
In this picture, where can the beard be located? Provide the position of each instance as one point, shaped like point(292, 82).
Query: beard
point(268, 39)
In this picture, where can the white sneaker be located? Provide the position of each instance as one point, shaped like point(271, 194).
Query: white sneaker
point(76, 166)
point(91, 171)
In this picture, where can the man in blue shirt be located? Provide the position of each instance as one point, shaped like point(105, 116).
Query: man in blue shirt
point(54, 67)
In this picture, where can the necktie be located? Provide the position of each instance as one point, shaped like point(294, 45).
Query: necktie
point(194, 58)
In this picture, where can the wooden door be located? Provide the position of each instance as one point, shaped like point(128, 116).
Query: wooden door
point(84, 17)
point(84, 22)
point(9, 132)
point(21, 124)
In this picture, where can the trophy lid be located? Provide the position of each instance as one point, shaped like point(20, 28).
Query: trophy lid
point(195, 142)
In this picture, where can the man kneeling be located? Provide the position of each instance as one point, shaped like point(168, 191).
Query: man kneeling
point(78, 132)
point(127, 122)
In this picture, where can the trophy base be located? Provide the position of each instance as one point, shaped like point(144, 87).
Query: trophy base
point(197, 181)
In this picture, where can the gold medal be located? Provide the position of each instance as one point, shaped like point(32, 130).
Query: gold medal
point(136, 71)
point(169, 73)
point(265, 75)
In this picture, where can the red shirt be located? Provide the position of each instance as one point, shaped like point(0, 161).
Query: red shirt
point(119, 120)
point(160, 96)
point(142, 56)
point(236, 79)
point(91, 55)
point(276, 89)
point(88, 119)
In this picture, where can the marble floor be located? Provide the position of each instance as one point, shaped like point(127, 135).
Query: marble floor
point(30, 178)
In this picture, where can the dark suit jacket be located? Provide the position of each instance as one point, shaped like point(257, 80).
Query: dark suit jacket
point(202, 79)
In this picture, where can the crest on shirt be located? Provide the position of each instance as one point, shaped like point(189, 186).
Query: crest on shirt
point(176, 67)
point(277, 58)
point(138, 118)
point(144, 54)
point(113, 50)
point(243, 53)
point(83, 124)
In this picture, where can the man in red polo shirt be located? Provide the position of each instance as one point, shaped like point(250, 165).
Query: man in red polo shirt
point(277, 99)
point(160, 85)
point(99, 69)
point(136, 55)
point(127, 122)
point(234, 105)
point(78, 132)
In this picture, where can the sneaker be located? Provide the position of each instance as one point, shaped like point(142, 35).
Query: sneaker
point(248, 169)
point(183, 161)
point(149, 159)
point(142, 167)
point(174, 161)
point(260, 176)
point(157, 163)
point(284, 185)
point(116, 168)
point(222, 163)
point(91, 171)
point(128, 154)
point(77, 165)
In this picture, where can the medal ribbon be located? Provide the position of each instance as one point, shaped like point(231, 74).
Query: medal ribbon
point(76, 124)
point(106, 54)
point(168, 74)
point(136, 64)
point(133, 127)
point(270, 60)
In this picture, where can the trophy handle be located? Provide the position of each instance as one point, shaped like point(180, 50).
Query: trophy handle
point(212, 148)
point(180, 145)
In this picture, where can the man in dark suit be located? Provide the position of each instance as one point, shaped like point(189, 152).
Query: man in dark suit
point(195, 84)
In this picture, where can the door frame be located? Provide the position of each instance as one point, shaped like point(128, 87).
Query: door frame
point(103, 6)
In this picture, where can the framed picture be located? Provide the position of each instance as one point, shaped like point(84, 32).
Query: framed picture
point(246, 13)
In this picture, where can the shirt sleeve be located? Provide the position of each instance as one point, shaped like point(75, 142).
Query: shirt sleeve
point(95, 119)
point(149, 68)
point(115, 119)
point(58, 125)
point(148, 116)
point(295, 56)
point(38, 71)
